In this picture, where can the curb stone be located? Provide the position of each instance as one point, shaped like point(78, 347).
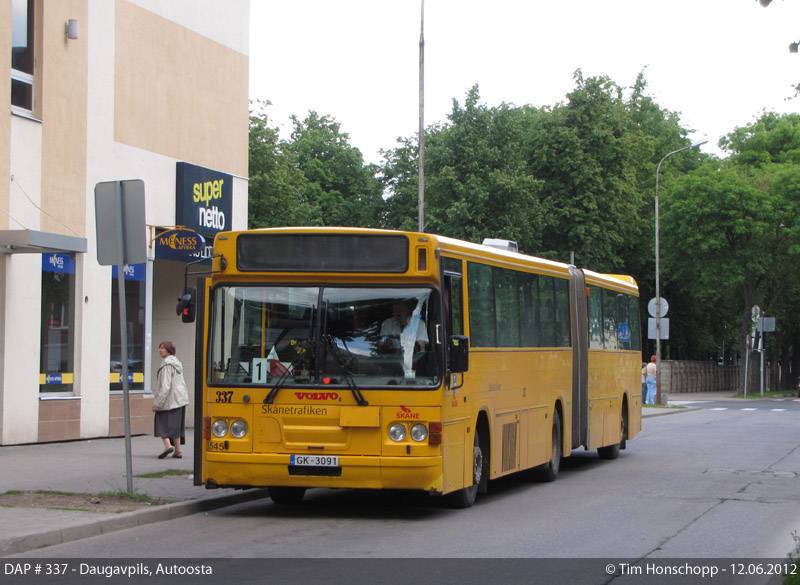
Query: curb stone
point(107, 525)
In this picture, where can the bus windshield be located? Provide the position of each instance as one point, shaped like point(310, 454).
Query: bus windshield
point(311, 335)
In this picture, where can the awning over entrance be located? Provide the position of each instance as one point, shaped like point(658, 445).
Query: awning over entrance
point(34, 242)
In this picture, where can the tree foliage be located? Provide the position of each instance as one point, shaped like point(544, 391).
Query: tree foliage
point(732, 234)
point(581, 152)
point(477, 185)
point(339, 186)
point(276, 184)
point(315, 178)
point(575, 177)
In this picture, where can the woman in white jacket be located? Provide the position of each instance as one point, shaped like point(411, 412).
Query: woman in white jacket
point(169, 402)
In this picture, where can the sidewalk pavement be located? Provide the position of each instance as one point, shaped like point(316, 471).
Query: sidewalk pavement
point(678, 403)
point(92, 467)
point(98, 465)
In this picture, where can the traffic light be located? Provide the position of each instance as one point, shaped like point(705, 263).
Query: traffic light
point(186, 305)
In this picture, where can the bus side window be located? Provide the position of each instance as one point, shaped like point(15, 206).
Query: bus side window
point(458, 344)
point(454, 306)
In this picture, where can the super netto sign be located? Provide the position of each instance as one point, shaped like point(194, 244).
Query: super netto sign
point(204, 199)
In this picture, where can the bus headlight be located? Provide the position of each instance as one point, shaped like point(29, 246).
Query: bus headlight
point(219, 428)
point(419, 433)
point(238, 428)
point(397, 432)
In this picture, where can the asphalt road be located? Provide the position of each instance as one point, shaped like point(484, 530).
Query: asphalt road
point(719, 481)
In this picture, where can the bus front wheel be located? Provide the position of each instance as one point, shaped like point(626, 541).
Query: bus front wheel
point(465, 497)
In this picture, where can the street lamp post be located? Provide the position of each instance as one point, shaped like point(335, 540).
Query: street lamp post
point(658, 276)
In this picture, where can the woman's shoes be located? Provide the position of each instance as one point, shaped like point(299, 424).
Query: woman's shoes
point(166, 452)
point(176, 456)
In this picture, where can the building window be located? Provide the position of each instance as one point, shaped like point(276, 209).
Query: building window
point(135, 317)
point(22, 58)
point(58, 310)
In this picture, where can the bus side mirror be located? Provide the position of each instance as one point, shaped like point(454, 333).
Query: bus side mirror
point(187, 305)
point(458, 354)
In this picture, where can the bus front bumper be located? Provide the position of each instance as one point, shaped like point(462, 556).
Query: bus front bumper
point(368, 472)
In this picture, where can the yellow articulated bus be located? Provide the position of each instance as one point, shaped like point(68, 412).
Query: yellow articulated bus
point(358, 358)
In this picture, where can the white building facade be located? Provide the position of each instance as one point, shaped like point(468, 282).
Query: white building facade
point(108, 90)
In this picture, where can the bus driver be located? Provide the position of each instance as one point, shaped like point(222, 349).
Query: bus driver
point(392, 328)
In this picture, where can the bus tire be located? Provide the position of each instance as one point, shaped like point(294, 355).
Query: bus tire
point(465, 497)
point(286, 495)
point(612, 451)
point(549, 471)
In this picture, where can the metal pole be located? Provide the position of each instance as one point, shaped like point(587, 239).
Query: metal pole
point(762, 349)
point(123, 333)
point(658, 294)
point(658, 276)
point(746, 365)
point(422, 118)
point(658, 281)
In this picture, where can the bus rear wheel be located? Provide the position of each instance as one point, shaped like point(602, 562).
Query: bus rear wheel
point(612, 451)
point(286, 495)
point(549, 471)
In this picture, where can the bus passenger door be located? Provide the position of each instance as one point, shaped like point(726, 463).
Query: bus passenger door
point(455, 413)
point(580, 357)
point(200, 401)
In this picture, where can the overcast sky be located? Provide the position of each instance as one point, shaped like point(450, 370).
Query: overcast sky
point(718, 63)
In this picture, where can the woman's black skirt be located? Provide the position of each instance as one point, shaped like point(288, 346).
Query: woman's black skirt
point(171, 423)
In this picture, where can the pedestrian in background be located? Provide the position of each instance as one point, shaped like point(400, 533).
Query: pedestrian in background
point(651, 381)
point(169, 402)
point(644, 383)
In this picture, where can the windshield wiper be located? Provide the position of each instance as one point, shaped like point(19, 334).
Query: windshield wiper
point(348, 376)
point(285, 375)
point(312, 343)
point(278, 385)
